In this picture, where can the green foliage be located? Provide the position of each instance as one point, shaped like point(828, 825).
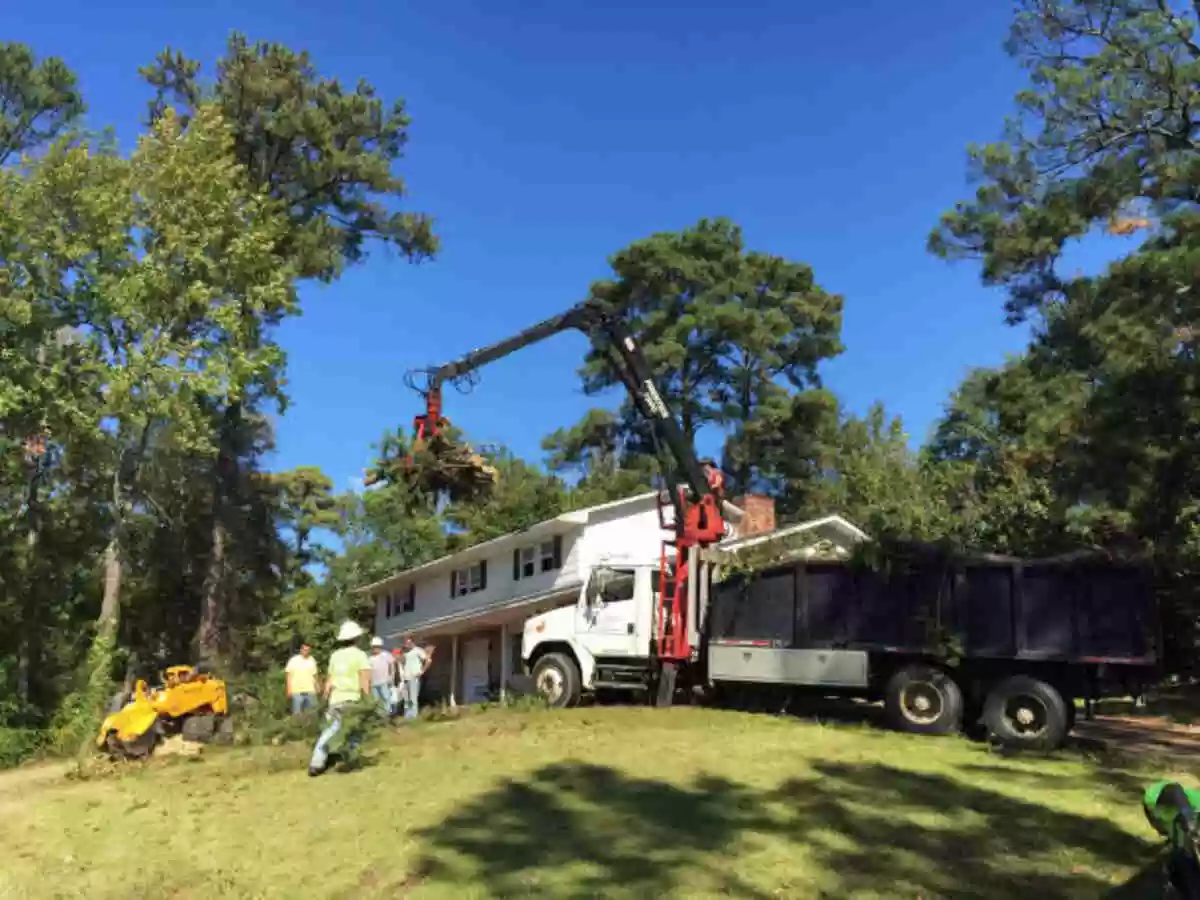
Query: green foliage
point(733, 336)
point(522, 497)
point(594, 453)
point(137, 357)
point(39, 99)
point(304, 503)
point(322, 152)
point(1104, 132)
point(18, 745)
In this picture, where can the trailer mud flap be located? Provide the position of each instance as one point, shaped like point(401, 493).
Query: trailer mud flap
point(775, 665)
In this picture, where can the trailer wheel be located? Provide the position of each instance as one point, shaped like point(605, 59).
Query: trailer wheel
point(557, 679)
point(1026, 713)
point(923, 700)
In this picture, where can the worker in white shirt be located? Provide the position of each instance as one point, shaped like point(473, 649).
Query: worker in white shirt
point(416, 663)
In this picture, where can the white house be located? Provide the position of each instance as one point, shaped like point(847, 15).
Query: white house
point(470, 607)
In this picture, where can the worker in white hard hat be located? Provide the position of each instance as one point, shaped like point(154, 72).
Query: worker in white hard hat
point(348, 679)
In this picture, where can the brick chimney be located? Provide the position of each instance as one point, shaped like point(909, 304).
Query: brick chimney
point(760, 514)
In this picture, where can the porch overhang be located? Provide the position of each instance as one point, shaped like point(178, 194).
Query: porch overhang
point(490, 616)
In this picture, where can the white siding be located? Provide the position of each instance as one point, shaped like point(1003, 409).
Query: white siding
point(634, 536)
point(434, 601)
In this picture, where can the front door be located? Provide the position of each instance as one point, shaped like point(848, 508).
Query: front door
point(606, 625)
point(475, 670)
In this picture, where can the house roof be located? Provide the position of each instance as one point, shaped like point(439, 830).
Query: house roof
point(834, 523)
point(550, 527)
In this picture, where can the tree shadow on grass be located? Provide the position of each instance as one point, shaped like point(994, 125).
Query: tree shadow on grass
point(581, 830)
point(1120, 785)
point(929, 834)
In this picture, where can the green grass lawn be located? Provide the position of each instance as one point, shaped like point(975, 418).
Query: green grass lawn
point(611, 802)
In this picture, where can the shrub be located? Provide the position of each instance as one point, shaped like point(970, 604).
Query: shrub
point(17, 745)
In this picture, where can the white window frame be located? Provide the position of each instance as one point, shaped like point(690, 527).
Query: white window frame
point(528, 562)
point(468, 580)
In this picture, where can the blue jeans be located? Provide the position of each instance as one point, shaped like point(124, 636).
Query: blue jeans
point(320, 754)
point(412, 690)
point(382, 694)
point(302, 702)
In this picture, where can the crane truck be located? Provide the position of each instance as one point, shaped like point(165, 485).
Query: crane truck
point(944, 642)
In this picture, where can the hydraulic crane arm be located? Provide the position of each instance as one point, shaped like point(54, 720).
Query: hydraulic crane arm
point(696, 498)
point(604, 330)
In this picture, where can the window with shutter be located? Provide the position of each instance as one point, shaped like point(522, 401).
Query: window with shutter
point(547, 556)
point(468, 580)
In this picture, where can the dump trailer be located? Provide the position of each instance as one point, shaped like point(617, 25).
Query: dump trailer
point(1008, 644)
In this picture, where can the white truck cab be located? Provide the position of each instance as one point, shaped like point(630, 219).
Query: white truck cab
point(602, 641)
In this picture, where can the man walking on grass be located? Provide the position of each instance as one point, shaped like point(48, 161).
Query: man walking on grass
point(348, 680)
point(301, 676)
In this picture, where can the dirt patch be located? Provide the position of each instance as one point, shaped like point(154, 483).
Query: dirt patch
point(1142, 736)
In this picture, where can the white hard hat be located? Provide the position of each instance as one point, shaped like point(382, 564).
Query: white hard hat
point(377, 641)
point(349, 631)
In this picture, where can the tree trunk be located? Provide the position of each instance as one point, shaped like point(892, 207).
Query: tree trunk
point(104, 643)
point(29, 641)
point(110, 603)
point(209, 638)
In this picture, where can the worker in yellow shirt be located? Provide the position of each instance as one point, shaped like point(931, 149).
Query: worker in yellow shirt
point(302, 680)
point(348, 679)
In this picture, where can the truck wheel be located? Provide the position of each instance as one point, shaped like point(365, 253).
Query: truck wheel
point(923, 700)
point(1026, 713)
point(557, 679)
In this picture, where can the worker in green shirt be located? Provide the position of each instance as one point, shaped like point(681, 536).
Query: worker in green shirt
point(348, 679)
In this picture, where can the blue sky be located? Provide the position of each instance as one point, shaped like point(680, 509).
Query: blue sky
point(547, 135)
